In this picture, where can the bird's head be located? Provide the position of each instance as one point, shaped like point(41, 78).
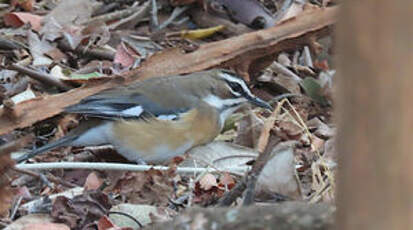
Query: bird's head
point(227, 90)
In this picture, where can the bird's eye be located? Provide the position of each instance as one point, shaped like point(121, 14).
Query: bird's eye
point(236, 87)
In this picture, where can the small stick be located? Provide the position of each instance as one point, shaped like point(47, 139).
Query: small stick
point(176, 13)
point(93, 53)
point(131, 20)
point(49, 177)
point(154, 15)
point(42, 77)
point(268, 124)
point(113, 15)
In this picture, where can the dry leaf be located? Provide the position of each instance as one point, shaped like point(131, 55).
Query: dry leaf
point(278, 175)
point(71, 12)
point(93, 182)
point(27, 5)
point(208, 181)
point(17, 19)
point(149, 187)
point(125, 55)
point(38, 47)
point(226, 180)
point(81, 210)
point(222, 155)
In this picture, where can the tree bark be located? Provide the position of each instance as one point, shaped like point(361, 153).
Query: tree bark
point(375, 115)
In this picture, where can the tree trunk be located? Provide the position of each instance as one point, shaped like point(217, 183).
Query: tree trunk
point(375, 114)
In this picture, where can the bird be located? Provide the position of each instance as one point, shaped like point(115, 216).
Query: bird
point(154, 120)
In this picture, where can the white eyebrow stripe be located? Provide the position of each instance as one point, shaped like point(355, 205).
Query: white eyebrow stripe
point(228, 77)
point(231, 78)
point(133, 111)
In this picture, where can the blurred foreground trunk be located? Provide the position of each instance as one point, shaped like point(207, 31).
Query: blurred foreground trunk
point(282, 216)
point(375, 113)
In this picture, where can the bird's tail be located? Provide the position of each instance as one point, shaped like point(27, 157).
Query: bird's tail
point(60, 142)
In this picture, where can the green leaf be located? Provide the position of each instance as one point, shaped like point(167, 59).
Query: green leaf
point(313, 89)
point(86, 76)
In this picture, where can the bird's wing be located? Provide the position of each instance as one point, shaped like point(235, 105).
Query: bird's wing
point(124, 105)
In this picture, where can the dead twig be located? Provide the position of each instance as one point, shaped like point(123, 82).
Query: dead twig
point(133, 19)
point(49, 177)
point(154, 15)
point(113, 15)
point(84, 51)
point(176, 13)
point(268, 124)
point(42, 77)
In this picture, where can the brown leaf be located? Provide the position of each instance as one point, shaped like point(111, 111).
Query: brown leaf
point(81, 210)
point(149, 187)
point(226, 180)
point(125, 55)
point(93, 182)
point(291, 129)
point(17, 19)
point(105, 223)
point(27, 5)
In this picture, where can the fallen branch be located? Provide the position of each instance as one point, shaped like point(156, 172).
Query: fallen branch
point(247, 50)
point(286, 215)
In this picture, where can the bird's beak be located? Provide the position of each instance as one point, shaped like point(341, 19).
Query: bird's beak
point(261, 103)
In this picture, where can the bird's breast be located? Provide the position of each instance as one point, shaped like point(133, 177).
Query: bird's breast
point(156, 140)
